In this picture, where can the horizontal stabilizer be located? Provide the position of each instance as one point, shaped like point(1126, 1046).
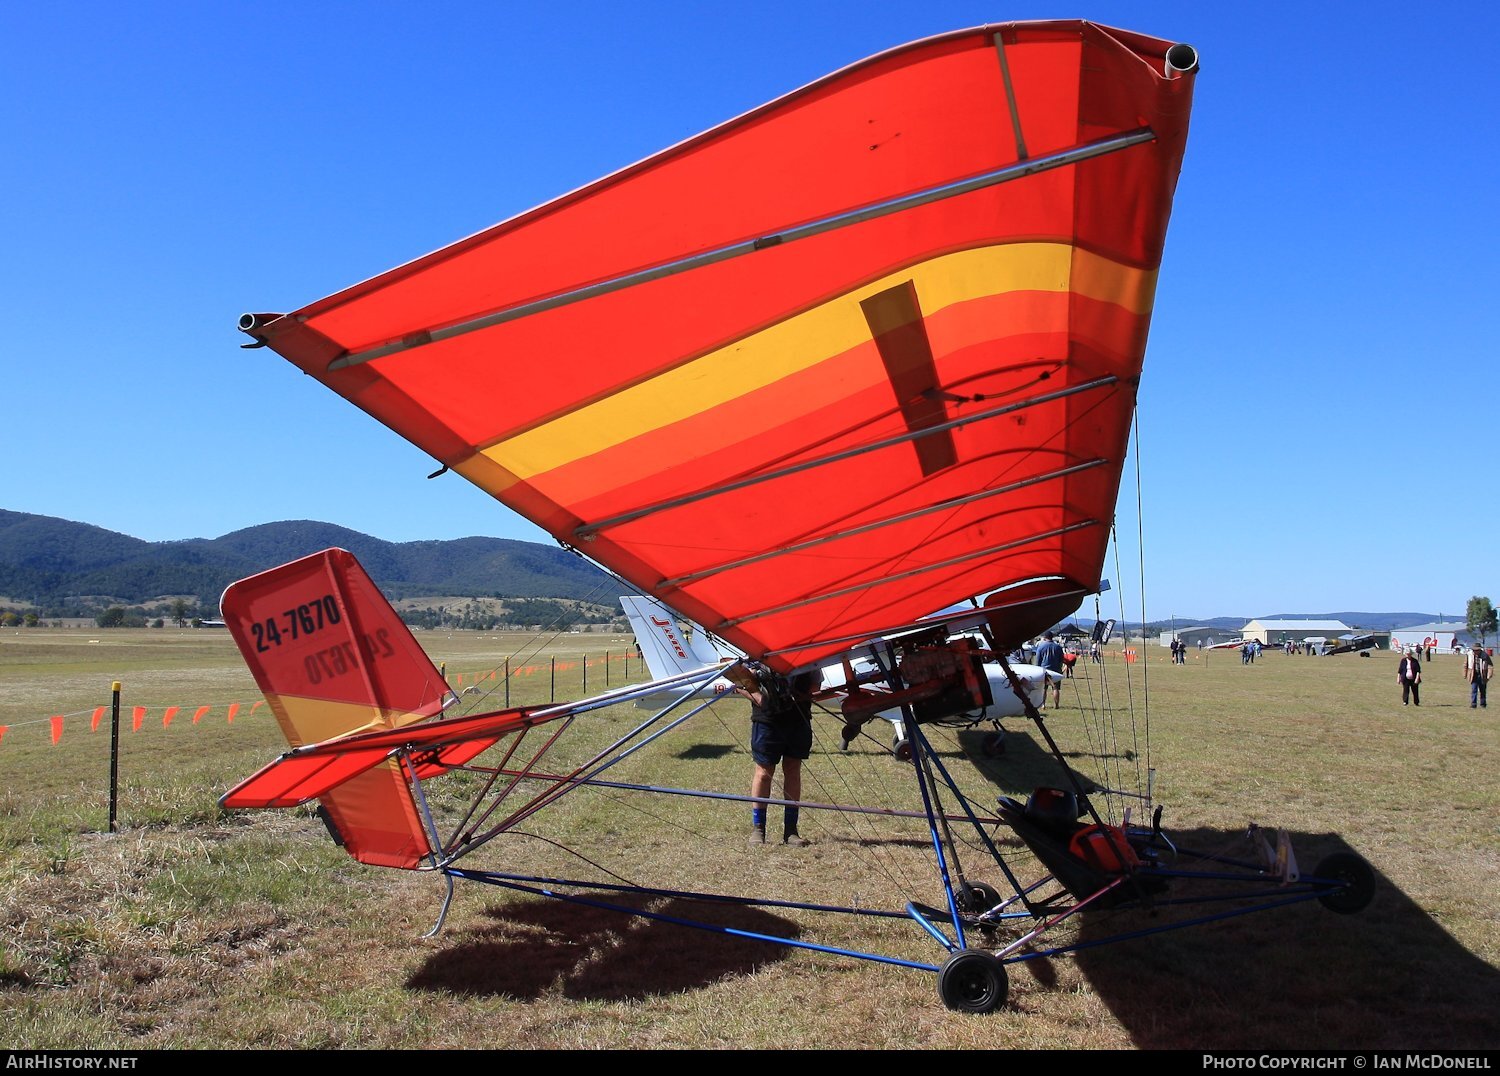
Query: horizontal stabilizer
point(316, 770)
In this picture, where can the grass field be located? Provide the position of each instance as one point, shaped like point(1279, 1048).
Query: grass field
point(195, 928)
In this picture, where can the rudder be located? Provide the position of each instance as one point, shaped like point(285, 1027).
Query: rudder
point(332, 658)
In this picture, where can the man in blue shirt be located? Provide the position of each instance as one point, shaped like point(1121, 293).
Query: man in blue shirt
point(1050, 657)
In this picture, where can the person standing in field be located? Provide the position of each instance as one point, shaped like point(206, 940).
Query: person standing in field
point(1409, 676)
point(1050, 657)
point(1477, 670)
point(780, 732)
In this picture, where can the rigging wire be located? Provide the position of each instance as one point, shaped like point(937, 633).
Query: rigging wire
point(533, 647)
point(572, 852)
point(1130, 707)
point(1140, 528)
point(1095, 720)
point(871, 841)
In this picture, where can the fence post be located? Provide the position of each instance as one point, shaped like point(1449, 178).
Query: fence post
point(507, 683)
point(585, 676)
point(114, 760)
point(552, 691)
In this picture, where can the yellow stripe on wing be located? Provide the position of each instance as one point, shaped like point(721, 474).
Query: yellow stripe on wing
point(806, 339)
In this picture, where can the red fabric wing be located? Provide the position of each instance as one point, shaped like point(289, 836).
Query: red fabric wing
point(782, 375)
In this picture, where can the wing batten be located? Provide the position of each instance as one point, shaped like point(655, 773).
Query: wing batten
point(1034, 602)
point(956, 502)
point(908, 574)
point(586, 532)
point(435, 334)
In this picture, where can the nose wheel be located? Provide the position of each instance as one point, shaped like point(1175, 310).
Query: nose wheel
point(973, 981)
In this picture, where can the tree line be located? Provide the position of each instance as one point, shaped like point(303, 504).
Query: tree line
point(470, 615)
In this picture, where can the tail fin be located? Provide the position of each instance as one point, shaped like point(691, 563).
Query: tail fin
point(333, 658)
point(666, 646)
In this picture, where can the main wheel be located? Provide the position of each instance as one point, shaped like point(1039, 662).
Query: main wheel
point(973, 980)
point(1359, 883)
point(976, 897)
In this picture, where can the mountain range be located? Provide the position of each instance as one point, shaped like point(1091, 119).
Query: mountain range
point(1367, 621)
point(63, 568)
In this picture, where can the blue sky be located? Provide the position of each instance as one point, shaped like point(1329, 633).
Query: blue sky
point(1319, 383)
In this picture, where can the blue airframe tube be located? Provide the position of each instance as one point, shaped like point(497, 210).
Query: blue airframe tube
point(500, 880)
point(920, 750)
point(517, 883)
point(685, 894)
point(931, 927)
point(978, 826)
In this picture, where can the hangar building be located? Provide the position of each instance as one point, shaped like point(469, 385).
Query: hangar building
point(1276, 632)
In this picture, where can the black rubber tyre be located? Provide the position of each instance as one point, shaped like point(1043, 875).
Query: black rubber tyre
point(976, 897)
point(973, 980)
point(901, 749)
point(1358, 878)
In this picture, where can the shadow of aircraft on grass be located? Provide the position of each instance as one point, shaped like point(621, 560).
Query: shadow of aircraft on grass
point(534, 946)
point(1295, 978)
point(1025, 763)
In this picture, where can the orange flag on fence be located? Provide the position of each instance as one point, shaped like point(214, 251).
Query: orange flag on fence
point(98, 713)
point(258, 704)
point(198, 716)
point(56, 728)
point(234, 708)
point(166, 718)
point(137, 715)
point(2, 731)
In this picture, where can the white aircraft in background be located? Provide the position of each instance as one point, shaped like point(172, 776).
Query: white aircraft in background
point(672, 645)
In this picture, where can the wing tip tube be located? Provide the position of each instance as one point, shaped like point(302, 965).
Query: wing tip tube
point(1181, 59)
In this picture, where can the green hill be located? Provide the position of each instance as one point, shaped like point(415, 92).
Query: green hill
point(63, 568)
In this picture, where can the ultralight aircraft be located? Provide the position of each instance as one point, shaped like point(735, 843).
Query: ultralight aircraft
point(670, 646)
point(899, 316)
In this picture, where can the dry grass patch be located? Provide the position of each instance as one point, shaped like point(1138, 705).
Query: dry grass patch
point(195, 929)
